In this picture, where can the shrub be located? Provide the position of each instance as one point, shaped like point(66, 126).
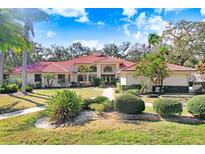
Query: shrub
point(196, 105)
point(64, 105)
point(96, 81)
point(98, 108)
point(119, 86)
point(37, 85)
point(114, 81)
point(128, 103)
point(117, 90)
point(28, 88)
point(133, 92)
point(86, 103)
point(109, 105)
point(100, 99)
point(8, 88)
point(102, 84)
point(167, 107)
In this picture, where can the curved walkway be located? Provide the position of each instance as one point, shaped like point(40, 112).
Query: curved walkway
point(107, 92)
point(21, 112)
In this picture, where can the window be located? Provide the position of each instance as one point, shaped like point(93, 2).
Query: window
point(37, 78)
point(61, 78)
point(108, 69)
point(82, 78)
point(92, 76)
point(93, 69)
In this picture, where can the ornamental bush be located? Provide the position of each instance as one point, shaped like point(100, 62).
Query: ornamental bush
point(8, 88)
point(196, 105)
point(133, 92)
point(167, 107)
point(100, 99)
point(86, 103)
point(64, 105)
point(29, 88)
point(128, 103)
point(98, 108)
point(96, 81)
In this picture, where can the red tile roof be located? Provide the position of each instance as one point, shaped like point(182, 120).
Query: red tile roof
point(65, 66)
point(172, 67)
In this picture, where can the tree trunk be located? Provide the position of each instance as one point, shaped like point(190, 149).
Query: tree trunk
point(24, 72)
point(2, 57)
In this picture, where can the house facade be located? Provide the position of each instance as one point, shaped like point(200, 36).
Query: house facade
point(102, 66)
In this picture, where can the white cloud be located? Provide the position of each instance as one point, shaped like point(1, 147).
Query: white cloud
point(156, 24)
point(100, 23)
point(140, 37)
point(168, 10)
point(91, 43)
point(83, 19)
point(141, 20)
point(79, 13)
point(50, 33)
point(148, 24)
point(202, 11)
point(176, 10)
point(158, 10)
point(126, 30)
point(129, 12)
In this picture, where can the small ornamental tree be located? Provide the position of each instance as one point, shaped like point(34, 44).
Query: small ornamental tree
point(49, 77)
point(154, 67)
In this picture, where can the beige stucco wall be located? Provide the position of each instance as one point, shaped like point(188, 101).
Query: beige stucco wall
point(30, 77)
point(175, 79)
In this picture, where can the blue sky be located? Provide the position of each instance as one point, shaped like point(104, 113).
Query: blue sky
point(94, 27)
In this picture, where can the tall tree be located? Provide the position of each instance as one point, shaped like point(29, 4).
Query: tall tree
point(84, 69)
point(11, 37)
point(153, 39)
point(77, 49)
point(136, 52)
point(28, 16)
point(111, 49)
point(185, 40)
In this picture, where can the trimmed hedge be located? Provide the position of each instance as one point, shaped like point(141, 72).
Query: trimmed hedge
point(133, 91)
point(167, 107)
point(196, 105)
point(64, 105)
point(8, 88)
point(128, 103)
point(86, 103)
point(29, 88)
point(98, 100)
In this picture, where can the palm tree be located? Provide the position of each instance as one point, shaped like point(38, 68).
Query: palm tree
point(28, 16)
point(11, 37)
point(85, 70)
point(153, 39)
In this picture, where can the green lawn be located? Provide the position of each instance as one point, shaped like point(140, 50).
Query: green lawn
point(20, 130)
point(39, 97)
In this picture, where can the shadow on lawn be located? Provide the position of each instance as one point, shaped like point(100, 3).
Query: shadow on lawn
point(26, 99)
point(41, 97)
point(9, 108)
point(40, 94)
point(185, 120)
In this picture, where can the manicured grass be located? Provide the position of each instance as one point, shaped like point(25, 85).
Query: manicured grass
point(20, 130)
point(39, 97)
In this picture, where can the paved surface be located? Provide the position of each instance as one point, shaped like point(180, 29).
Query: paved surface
point(108, 92)
point(21, 112)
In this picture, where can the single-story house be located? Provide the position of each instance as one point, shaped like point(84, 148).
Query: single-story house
point(102, 66)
